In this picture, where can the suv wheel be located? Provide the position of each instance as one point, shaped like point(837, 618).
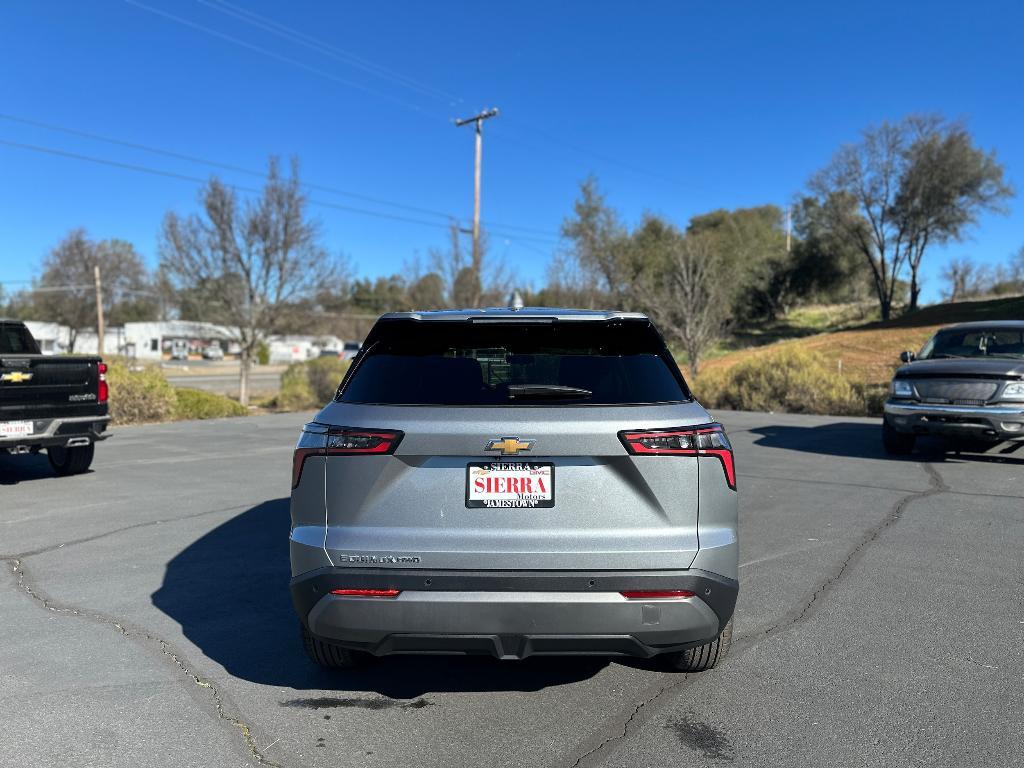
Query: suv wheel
point(71, 461)
point(896, 443)
point(328, 655)
point(703, 656)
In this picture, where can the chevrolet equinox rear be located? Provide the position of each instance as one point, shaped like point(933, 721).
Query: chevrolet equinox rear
point(514, 482)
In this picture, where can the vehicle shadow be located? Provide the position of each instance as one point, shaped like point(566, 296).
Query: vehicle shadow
point(864, 441)
point(229, 592)
point(18, 469)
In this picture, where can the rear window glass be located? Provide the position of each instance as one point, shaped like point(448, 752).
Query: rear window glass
point(16, 340)
point(567, 363)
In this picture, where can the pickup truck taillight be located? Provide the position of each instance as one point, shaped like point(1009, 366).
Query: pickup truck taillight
point(321, 440)
point(102, 390)
point(705, 440)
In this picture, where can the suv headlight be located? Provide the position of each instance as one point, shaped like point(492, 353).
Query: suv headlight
point(1014, 391)
point(902, 388)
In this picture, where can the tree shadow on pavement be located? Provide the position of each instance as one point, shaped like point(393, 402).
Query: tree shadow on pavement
point(229, 592)
point(864, 441)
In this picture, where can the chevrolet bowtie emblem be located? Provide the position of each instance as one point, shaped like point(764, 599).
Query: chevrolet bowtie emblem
point(509, 446)
point(16, 377)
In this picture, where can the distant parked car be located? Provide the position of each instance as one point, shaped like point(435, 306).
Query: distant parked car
point(179, 349)
point(213, 352)
point(966, 383)
point(329, 353)
point(350, 350)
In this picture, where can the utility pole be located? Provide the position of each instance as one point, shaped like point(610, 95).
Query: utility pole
point(478, 121)
point(100, 326)
point(789, 228)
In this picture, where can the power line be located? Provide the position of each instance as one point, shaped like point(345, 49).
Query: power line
point(272, 54)
point(243, 188)
point(289, 33)
point(250, 172)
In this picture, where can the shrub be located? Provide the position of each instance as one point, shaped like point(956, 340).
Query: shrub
point(786, 379)
point(262, 353)
point(310, 384)
point(197, 404)
point(138, 393)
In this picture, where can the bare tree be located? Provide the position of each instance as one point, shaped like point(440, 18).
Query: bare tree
point(65, 291)
point(690, 300)
point(962, 277)
point(467, 283)
point(904, 186)
point(252, 264)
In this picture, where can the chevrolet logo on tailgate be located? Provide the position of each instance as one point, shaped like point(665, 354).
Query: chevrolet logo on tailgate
point(509, 446)
point(16, 377)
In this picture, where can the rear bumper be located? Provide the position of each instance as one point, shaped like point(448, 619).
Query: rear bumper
point(514, 614)
point(995, 422)
point(60, 432)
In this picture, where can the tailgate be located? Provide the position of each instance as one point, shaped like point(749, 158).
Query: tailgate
point(37, 387)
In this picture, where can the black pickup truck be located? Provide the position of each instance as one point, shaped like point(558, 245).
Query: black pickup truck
point(54, 402)
point(966, 383)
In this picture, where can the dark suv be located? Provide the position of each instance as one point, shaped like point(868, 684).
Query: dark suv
point(514, 482)
point(966, 383)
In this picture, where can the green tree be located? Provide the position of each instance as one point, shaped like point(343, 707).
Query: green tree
point(905, 186)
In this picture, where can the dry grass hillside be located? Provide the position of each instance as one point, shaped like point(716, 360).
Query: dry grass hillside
point(861, 358)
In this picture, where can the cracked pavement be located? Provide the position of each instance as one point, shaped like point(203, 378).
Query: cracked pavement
point(146, 621)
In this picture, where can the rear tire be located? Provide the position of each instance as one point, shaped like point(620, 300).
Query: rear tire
point(71, 461)
point(703, 656)
point(896, 443)
point(328, 655)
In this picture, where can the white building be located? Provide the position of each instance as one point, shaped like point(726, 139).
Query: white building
point(295, 349)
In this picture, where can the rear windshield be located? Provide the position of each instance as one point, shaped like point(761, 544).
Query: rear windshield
point(16, 340)
point(567, 363)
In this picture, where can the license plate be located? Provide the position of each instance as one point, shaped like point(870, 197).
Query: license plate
point(16, 428)
point(518, 484)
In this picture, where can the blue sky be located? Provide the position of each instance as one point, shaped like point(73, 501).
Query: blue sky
point(677, 107)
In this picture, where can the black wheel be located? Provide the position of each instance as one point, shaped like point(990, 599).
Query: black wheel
point(896, 443)
point(71, 461)
point(329, 655)
point(703, 656)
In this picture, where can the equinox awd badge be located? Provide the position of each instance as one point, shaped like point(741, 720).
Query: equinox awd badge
point(509, 446)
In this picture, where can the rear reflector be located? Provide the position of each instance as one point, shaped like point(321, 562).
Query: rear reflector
point(657, 594)
point(367, 592)
point(705, 440)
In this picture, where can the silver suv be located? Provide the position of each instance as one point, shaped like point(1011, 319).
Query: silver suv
point(514, 482)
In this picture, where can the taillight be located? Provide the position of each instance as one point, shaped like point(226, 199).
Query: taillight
point(657, 594)
point(367, 592)
point(322, 440)
point(102, 390)
point(705, 440)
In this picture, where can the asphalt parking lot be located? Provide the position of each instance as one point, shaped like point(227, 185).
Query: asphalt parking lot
point(146, 621)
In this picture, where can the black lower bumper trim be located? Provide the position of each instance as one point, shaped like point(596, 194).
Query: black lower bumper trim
point(515, 646)
point(717, 591)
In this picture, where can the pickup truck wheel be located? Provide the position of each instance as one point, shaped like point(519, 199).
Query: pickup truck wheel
point(328, 655)
point(71, 461)
point(896, 443)
point(703, 656)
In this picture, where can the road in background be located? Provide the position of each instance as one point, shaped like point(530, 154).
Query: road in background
point(147, 622)
point(222, 376)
